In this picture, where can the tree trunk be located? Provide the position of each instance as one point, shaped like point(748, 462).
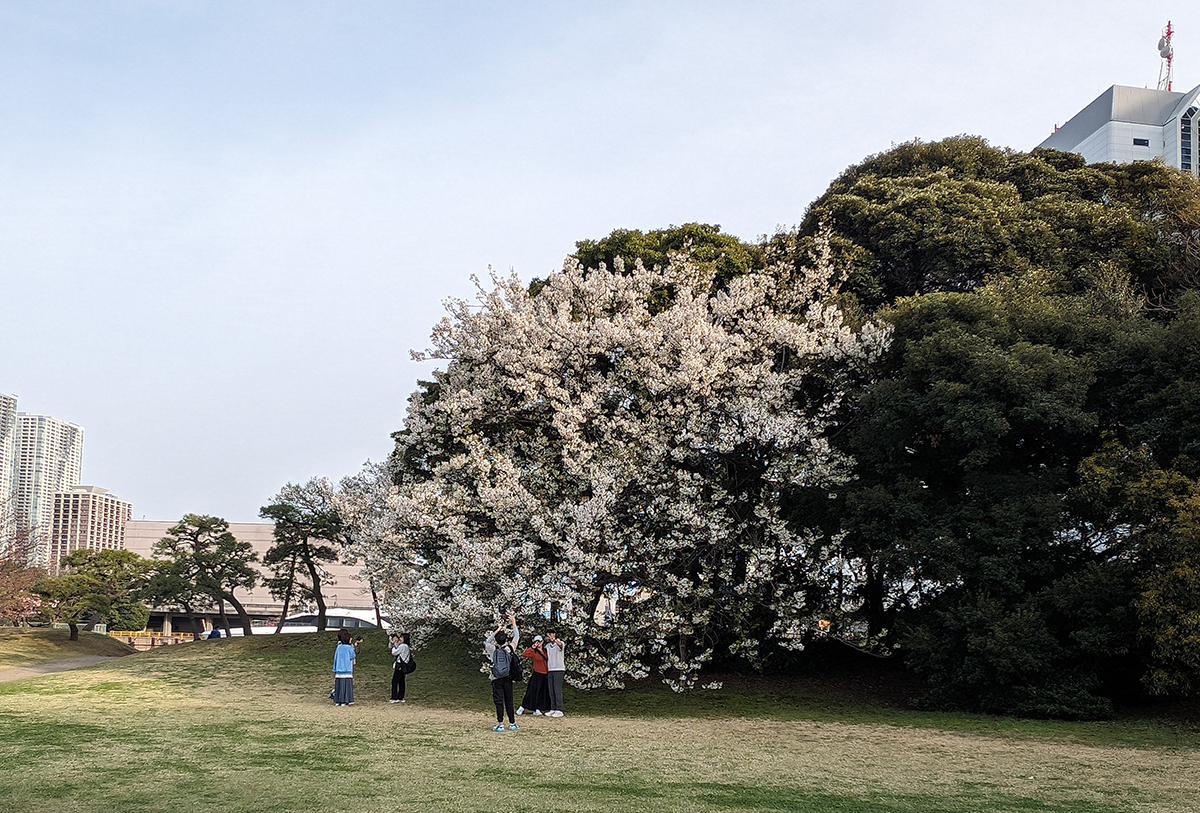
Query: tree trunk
point(287, 595)
point(244, 616)
point(316, 586)
point(224, 618)
point(590, 609)
point(375, 601)
point(875, 614)
point(74, 630)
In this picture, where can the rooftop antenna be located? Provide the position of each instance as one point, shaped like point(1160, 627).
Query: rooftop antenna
point(1167, 52)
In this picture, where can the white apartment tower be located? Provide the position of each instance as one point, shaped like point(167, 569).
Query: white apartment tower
point(1128, 124)
point(47, 458)
point(8, 431)
point(86, 517)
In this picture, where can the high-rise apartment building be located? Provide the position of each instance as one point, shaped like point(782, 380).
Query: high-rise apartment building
point(86, 517)
point(8, 431)
point(1135, 124)
point(47, 459)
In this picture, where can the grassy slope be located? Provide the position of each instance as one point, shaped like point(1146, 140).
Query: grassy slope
point(448, 677)
point(245, 724)
point(30, 647)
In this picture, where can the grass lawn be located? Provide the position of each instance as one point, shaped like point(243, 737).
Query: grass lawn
point(23, 646)
point(246, 725)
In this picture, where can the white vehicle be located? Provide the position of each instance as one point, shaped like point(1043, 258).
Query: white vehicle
point(335, 618)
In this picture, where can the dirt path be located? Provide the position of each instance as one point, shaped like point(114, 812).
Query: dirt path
point(19, 672)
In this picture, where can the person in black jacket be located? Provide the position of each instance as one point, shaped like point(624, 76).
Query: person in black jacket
point(501, 646)
point(401, 655)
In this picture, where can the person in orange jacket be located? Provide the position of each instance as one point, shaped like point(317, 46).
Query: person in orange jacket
point(537, 691)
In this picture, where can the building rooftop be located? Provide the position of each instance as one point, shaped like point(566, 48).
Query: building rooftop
point(1119, 103)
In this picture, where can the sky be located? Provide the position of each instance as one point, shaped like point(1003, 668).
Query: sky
point(224, 225)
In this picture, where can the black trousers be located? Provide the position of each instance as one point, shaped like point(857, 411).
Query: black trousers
point(397, 684)
point(502, 696)
point(555, 680)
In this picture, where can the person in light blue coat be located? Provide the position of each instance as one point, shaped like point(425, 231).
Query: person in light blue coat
point(343, 670)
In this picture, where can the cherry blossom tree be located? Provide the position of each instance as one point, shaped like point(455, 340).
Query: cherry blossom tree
point(627, 436)
point(363, 502)
point(18, 573)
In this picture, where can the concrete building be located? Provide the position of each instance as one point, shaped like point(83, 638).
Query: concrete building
point(47, 459)
point(1134, 124)
point(8, 434)
point(346, 590)
point(86, 517)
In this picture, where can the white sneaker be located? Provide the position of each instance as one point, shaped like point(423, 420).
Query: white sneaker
point(556, 714)
point(393, 701)
point(520, 709)
point(537, 713)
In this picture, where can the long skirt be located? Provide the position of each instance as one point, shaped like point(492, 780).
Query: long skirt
point(537, 693)
point(343, 691)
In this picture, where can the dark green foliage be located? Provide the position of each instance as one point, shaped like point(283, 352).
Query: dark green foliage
point(205, 561)
point(1039, 305)
point(96, 585)
point(955, 214)
point(701, 243)
point(127, 614)
point(308, 531)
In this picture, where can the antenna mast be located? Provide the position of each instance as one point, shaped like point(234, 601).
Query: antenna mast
point(1167, 52)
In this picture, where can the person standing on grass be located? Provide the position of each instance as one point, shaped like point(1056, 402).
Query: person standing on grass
point(556, 670)
point(402, 653)
point(343, 671)
point(501, 646)
point(537, 691)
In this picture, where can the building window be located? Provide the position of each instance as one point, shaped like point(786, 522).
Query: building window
point(1141, 142)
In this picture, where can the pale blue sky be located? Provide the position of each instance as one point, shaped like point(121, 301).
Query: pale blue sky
point(223, 225)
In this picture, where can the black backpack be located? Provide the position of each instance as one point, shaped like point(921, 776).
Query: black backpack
point(409, 666)
point(515, 669)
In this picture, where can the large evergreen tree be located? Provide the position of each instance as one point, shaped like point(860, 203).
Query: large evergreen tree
point(1038, 303)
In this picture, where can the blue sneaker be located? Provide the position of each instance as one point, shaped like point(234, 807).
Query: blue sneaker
point(498, 727)
point(514, 727)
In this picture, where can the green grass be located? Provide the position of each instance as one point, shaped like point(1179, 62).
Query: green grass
point(24, 646)
point(246, 725)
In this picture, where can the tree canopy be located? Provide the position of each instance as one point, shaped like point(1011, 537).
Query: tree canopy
point(207, 559)
point(590, 441)
point(955, 214)
point(102, 584)
point(308, 533)
point(1040, 306)
point(717, 435)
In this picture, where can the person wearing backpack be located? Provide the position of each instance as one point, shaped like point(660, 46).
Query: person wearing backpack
point(401, 665)
point(500, 646)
